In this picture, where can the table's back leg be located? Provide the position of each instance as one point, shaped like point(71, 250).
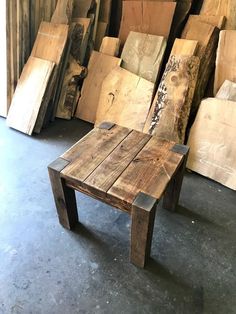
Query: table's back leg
point(172, 193)
point(143, 217)
point(64, 196)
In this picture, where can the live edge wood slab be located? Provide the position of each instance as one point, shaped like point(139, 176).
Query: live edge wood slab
point(128, 170)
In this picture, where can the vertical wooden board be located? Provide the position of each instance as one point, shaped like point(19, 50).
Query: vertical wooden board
point(143, 54)
point(29, 94)
point(214, 20)
point(184, 47)
point(101, 33)
point(82, 7)
point(125, 99)
point(105, 11)
point(142, 16)
point(50, 42)
point(100, 65)
point(226, 59)
point(212, 153)
point(63, 12)
point(174, 98)
point(226, 8)
point(227, 91)
point(96, 15)
point(110, 46)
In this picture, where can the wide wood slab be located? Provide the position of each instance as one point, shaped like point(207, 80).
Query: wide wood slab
point(125, 99)
point(29, 94)
point(143, 54)
point(227, 91)
point(213, 148)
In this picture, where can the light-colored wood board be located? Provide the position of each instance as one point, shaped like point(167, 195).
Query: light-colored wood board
point(101, 33)
point(213, 148)
point(110, 46)
point(50, 42)
point(214, 20)
point(142, 16)
point(63, 12)
point(29, 94)
point(143, 54)
point(73, 69)
point(173, 101)
point(125, 99)
point(227, 91)
point(184, 47)
point(226, 59)
point(100, 65)
point(226, 8)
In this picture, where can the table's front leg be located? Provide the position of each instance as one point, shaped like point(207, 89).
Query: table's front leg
point(63, 195)
point(143, 217)
point(172, 193)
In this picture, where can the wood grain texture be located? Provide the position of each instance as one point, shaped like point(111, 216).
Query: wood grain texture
point(143, 54)
point(227, 91)
point(174, 98)
point(142, 16)
point(100, 65)
point(125, 99)
point(110, 46)
point(149, 172)
point(213, 149)
point(226, 8)
point(29, 94)
point(184, 47)
point(226, 59)
point(214, 20)
point(63, 12)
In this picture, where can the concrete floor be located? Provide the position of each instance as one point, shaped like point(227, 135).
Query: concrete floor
point(46, 269)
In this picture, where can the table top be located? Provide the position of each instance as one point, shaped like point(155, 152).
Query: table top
point(114, 164)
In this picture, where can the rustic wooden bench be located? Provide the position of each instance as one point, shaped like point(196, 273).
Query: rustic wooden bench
point(126, 169)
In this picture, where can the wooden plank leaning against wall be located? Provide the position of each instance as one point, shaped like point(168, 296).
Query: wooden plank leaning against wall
point(23, 20)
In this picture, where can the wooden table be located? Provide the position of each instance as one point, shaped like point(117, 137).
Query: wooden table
point(126, 169)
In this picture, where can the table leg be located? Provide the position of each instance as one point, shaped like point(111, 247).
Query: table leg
point(172, 193)
point(64, 196)
point(143, 217)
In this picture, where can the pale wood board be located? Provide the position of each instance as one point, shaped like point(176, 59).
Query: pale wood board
point(226, 59)
point(226, 8)
point(213, 148)
point(110, 46)
point(174, 98)
point(29, 94)
point(214, 20)
point(63, 12)
point(227, 91)
point(184, 47)
point(143, 54)
point(142, 16)
point(125, 99)
point(100, 65)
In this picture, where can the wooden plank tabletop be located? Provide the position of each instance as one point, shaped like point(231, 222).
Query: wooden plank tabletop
point(115, 165)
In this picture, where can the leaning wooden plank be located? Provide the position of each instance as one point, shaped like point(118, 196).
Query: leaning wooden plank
point(50, 42)
point(100, 65)
point(63, 12)
point(184, 47)
point(125, 99)
point(143, 54)
point(101, 33)
point(96, 15)
point(29, 94)
point(227, 91)
point(221, 7)
point(110, 46)
point(142, 16)
point(212, 153)
point(105, 11)
point(207, 36)
point(214, 20)
point(174, 98)
point(82, 7)
point(73, 69)
point(226, 59)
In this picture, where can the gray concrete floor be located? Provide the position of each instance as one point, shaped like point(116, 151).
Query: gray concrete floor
point(46, 269)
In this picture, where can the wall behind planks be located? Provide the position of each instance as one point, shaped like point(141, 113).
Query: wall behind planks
point(23, 20)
